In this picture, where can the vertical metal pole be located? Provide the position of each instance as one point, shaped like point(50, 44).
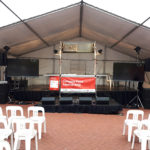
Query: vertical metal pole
point(5, 73)
point(1, 73)
point(104, 63)
point(94, 47)
point(60, 57)
point(54, 61)
point(53, 65)
point(60, 61)
point(104, 66)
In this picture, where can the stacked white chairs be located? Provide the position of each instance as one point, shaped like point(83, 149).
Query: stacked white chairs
point(24, 131)
point(142, 134)
point(21, 128)
point(38, 118)
point(5, 132)
point(133, 119)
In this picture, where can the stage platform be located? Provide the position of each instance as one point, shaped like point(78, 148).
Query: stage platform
point(120, 94)
point(111, 108)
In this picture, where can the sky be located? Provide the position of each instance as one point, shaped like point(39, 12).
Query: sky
point(135, 10)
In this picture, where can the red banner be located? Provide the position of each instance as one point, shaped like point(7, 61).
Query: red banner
point(78, 84)
point(54, 83)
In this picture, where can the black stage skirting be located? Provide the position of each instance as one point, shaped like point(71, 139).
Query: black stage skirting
point(121, 96)
point(112, 108)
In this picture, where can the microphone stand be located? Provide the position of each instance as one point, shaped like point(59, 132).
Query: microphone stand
point(137, 98)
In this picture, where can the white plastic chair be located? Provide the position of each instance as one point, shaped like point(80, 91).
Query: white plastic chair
point(24, 131)
point(4, 144)
point(14, 112)
point(142, 134)
point(33, 113)
point(132, 122)
point(5, 132)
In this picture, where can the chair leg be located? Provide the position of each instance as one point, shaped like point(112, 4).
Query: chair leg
point(133, 140)
point(149, 144)
point(12, 141)
point(143, 144)
point(28, 143)
point(16, 143)
point(36, 142)
point(129, 133)
point(45, 126)
point(39, 130)
point(124, 129)
point(139, 140)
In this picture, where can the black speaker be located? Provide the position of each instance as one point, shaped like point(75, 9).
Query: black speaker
point(65, 100)
point(102, 100)
point(48, 100)
point(147, 65)
point(3, 59)
point(3, 93)
point(85, 100)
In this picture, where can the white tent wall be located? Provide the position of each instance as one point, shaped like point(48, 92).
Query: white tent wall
point(83, 62)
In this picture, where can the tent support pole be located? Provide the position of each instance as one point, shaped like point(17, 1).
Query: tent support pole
point(60, 61)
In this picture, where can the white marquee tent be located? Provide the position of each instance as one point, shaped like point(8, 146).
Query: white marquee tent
point(77, 20)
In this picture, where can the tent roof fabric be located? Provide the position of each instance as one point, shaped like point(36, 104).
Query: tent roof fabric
point(77, 20)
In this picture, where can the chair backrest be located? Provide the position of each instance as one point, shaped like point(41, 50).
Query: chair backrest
point(144, 123)
point(23, 123)
point(149, 117)
point(4, 144)
point(13, 111)
point(4, 123)
point(135, 114)
point(35, 111)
